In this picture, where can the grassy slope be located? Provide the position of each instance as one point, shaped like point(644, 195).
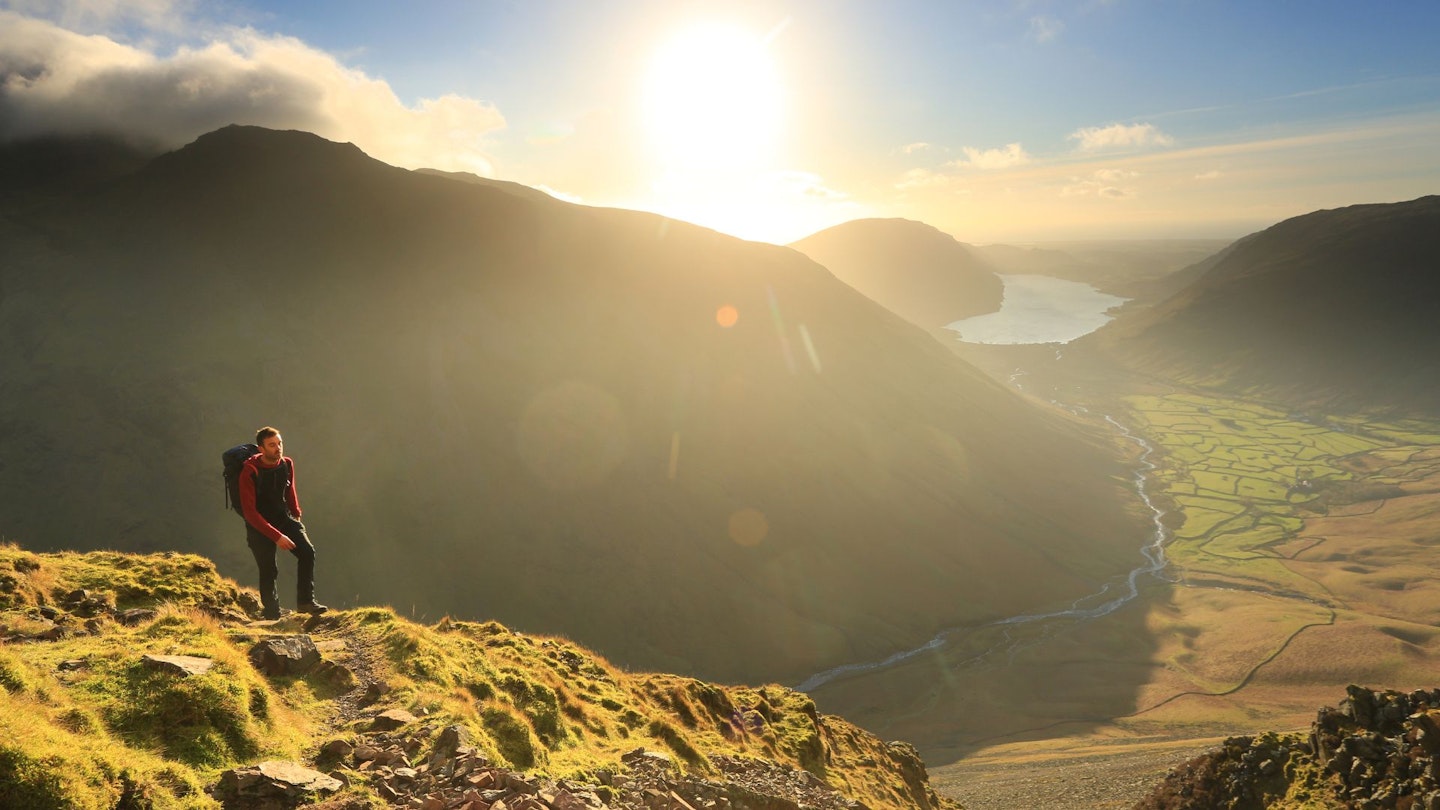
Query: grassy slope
point(103, 726)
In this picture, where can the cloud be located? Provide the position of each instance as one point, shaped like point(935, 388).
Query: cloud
point(1120, 136)
point(1044, 28)
point(912, 148)
point(55, 81)
point(1009, 156)
point(1210, 175)
point(1104, 183)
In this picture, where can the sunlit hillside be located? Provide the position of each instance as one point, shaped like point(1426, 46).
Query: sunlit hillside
point(134, 681)
point(910, 268)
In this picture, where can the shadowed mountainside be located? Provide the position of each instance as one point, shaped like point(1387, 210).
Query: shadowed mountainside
point(503, 405)
point(914, 270)
point(1334, 307)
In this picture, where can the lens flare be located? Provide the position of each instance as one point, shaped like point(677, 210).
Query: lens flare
point(748, 527)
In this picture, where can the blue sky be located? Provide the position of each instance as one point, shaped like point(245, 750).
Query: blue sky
point(998, 121)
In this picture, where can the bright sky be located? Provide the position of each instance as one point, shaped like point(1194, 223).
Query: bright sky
point(1012, 120)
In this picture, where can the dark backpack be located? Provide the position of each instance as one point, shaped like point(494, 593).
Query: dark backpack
point(234, 461)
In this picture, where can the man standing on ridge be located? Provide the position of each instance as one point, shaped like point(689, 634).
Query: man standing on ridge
point(272, 518)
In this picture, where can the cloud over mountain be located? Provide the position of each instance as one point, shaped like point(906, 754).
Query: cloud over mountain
point(54, 81)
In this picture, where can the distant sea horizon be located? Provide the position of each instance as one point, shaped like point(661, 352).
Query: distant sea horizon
point(1039, 309)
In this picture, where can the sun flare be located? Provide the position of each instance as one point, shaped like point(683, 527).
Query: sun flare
point(712, 100)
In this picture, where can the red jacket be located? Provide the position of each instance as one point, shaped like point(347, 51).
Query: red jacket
point(248, 474)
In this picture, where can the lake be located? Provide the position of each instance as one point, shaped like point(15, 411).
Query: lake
point(1040, 309)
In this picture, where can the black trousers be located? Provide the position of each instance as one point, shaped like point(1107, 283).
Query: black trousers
point(264, 550)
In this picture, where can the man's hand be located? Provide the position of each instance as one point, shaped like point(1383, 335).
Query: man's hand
point(285, 543)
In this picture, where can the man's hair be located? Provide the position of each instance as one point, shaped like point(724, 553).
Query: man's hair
point(264, 433)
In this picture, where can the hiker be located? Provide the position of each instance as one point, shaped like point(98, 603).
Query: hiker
point(272, 518)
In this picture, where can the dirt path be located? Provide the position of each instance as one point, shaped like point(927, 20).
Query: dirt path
point(338, 648)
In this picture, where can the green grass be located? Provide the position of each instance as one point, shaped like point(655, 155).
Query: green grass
point(94, 733)
point(1232, 469)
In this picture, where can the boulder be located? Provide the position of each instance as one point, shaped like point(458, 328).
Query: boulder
point(134, 616)
point(273, 785)
point(182, 665)
point(284, 655)
point(249, 602)
point(392, 719)
point(337, 748)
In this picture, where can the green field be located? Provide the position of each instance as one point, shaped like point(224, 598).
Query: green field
point(1241, 478)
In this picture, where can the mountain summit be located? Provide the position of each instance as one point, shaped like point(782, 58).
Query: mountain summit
point(912, 269)
point(689, 451)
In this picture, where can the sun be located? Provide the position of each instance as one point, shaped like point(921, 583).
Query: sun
point(712, 100)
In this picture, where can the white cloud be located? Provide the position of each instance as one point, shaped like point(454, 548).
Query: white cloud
point(1009, 156)
point(55, 81)
point(1106, 183)
point(1044, 28)
point(1119, 136)
point(1210, 175)
point(912, 148)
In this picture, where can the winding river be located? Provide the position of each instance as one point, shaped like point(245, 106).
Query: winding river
point(1100, 603)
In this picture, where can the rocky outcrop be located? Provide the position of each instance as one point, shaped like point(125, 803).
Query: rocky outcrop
point(418, 766)
point(285, 655)
point(273, 786)
point(181, 665)
point(1377, 751)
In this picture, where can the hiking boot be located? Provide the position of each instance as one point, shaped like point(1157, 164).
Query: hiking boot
point(313, 608)
point(270, 615)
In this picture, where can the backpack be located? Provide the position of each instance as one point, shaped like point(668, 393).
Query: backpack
point(234, 461)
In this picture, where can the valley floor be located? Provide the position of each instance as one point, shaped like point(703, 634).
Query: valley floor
point(1300, 553)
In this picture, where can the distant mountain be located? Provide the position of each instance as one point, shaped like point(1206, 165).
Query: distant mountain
point(920, 273)
point(1333, 307)
point(692, 452)
point(1146, 270)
